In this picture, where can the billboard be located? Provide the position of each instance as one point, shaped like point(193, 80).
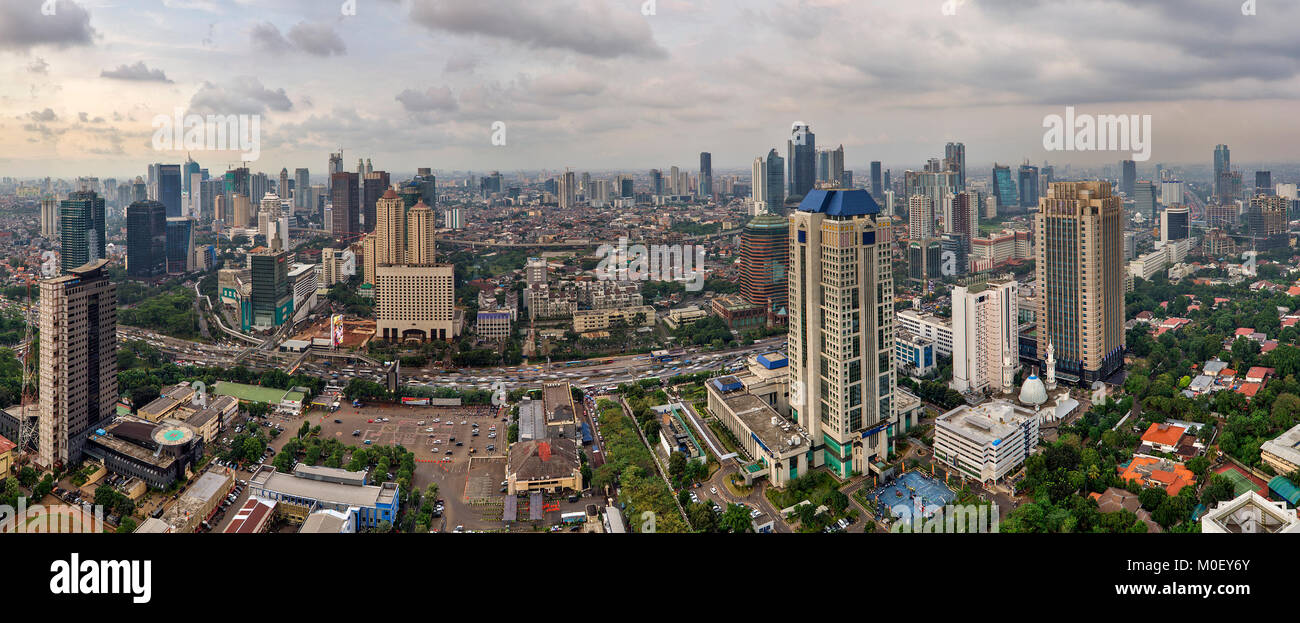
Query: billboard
point(418, 402)
point(336, 330)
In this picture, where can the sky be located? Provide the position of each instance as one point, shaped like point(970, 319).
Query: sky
point(611, 84)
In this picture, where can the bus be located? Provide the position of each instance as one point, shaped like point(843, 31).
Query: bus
point(574, 517)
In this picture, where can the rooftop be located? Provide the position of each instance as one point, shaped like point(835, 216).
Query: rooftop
point(777, 434)
point(368, 496)
point(985, 424)
point(543, 460)
point(839, 203)
point(1286, 446)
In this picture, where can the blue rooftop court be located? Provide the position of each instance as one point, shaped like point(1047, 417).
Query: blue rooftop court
point(909, 489)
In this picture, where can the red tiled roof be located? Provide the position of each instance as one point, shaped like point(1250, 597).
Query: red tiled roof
point(1258, 372)
point(1243, 332)
point(1249, 389)
point(6, 445)
point(1163, 434)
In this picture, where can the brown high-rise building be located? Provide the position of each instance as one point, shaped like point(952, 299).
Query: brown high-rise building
point(78, 362)
point(376, 184)
point(765, 263)
point(346, 201)
point(420, 235)
point(1080, 262)
point(390, 229)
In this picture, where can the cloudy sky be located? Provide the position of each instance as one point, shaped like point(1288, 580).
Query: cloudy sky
point(598, 85)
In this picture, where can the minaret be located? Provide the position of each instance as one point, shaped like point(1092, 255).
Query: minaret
point(1050, 380)
point(1008, 374)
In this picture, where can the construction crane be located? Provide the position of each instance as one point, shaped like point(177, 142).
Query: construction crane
point(28, 428)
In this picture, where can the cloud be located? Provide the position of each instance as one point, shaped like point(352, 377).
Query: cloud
point(432, 99)
point(24, 26)
point(138, 72)
point(43, 115)
point(313, 39)
point(242, 95)
point(587, 27)
point(39, 66)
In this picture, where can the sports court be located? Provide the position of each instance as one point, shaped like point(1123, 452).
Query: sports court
point(913, 491)
point(1241, 482)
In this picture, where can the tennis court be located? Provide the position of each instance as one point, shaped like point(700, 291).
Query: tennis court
point(1241, 483)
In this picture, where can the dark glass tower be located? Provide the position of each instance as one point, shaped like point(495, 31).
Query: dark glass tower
point(802, 159)
point(81, 218)
point(169, 188)
point(146, 239)
point(346, 203)
point(706, 174)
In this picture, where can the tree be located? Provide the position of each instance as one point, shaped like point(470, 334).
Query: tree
point(736, 519)
point(126, 526)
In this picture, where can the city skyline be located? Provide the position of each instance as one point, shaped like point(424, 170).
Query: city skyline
point(86, 83)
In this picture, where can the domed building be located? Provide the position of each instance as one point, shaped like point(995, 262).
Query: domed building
point(1033, 393)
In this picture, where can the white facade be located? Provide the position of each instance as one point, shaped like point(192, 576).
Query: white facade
point(987, 442)
point(930, 326)
point(985, 334)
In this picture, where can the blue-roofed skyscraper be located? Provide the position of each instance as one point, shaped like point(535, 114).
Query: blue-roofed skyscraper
point(841, 340)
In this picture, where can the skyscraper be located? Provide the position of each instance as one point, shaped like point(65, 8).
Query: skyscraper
point(1127, 177)
point(877, 187)
point(656, 182)
point(920, 217)
point(49, 217)
point(1028, 186)
point(1263, 182)
point(835, 164)
point(420, 241)
point(1266, 220)
point(146, 239)
point(187, 172)
point(1079, 252)
point(1222, 168)
point(765, 260)
point(78, 362)
point(568, 192)
point(841, 338)
point(775, 179)
point(706, 174)
point(390, 229)
point(1173, 224)
point(335, 166)
point(81, 221)
point(272, 292)
point(985, 335)
point(801, 152)
point(302, 192)
point(180, 245)
point(954, 158)
point(346, 205)
point(1144, 196)
point(1005, 190)
point(169, 188)
point(376, 184)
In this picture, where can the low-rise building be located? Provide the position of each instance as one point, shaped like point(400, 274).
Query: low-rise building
point(600, 319)
point(544, 465)
point(915, 355)
point(1151, 471)
point(738, 313)
point(6, 455)
point(781, 449)
point(1283, 453)
point(199, 502)
point(986, 442)
point(254, 517)
point(309, 489)
point(928, 326)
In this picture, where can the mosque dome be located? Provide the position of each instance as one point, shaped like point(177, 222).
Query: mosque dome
point(1033, 392)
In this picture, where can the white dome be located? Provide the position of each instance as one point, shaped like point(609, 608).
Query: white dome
point(1033, 392)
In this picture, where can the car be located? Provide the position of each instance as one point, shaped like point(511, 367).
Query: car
point(459, 444)
point(449, 453)
point(420, 423)
point(713, 490)
point(491, 447)
point(338, 421)
point(356, 433)
point(429, 429)
point(370, 421)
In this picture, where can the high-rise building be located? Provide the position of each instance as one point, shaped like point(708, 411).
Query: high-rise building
point(335, 166)
point(1266, 220)
point(568, 192)
point(1174, 224)
point(1127, 177)
point(1263, 182)
point(272, 291)
point(775, 180)
point(282, 187)
point(656, 182)
point(345, 202)
point(877, 187)
point(1222, 171)
point(146, 239)
point(78, 361)
point(390, 229)
point(765, 261)
point(180, 245)
point(841, 339)
point(1028, 186)
point(82, 228)
point(924, 260)
point(835, 166)
point(920, 217)
point(241, 211)
point(376, 184)
point(49, 217)
point(706, 174)
point(302, 192)
point(1171, 192)
point(954, 158)
point(1079, 252)
point(985, 335)
point(420, 242)
point(1144, 196)
point(188, 171)
point(801, 158)
point(1005, 190)
point(169, 188)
